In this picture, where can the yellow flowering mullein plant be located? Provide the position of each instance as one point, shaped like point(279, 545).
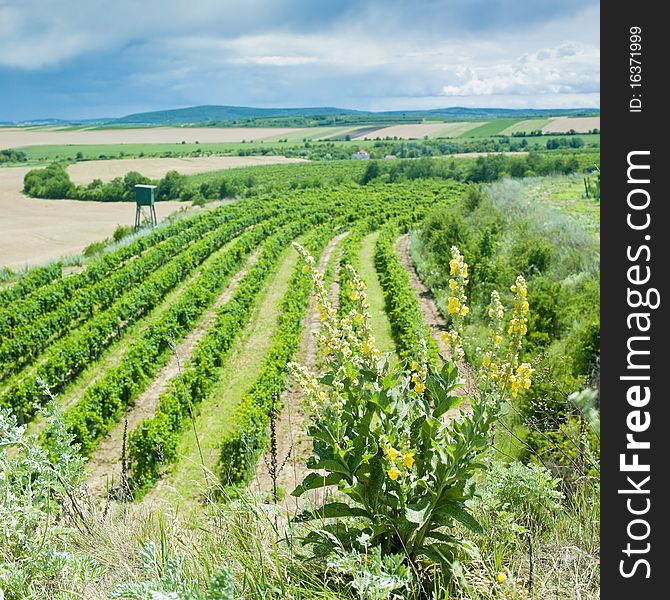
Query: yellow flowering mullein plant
point(500, 364)
point(457, 307)
point(379, 436)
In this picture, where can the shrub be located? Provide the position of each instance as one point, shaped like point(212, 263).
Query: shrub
point(36, 492)
point(122, 231)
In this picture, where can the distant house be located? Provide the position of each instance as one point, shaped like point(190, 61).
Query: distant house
point(361, 155)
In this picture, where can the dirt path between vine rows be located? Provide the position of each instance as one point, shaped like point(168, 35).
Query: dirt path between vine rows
point(293, 445)
point(433, 319)
point(104, 465)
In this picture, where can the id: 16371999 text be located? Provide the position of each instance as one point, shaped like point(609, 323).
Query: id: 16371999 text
point(635, 69)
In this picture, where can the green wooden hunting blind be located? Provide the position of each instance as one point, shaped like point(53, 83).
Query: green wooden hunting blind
point(145, 195)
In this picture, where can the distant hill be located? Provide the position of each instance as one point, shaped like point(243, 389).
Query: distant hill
point(204, 114)
point(311, 116)
point(215, 115)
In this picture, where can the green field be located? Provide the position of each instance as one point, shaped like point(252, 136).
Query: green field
point(491, 128)
point(525, 126)
point(39, 155)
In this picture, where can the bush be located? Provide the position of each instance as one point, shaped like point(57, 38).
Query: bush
point(52, 182)
point(122, 231)
point(530, 254)
point(36, 492)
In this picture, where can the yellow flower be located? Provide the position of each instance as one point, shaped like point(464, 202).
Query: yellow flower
point(453, 265)
point(358, 318)
point(525, 307)
point(524, 291)
point(392, 453)
point(465, 310)
point(513, 288)
point(394, 473)
point(368, 346)
point(414, 366)
point(524, 329)
point(419, 388)
point(452, 284)
point(354, 295)
point(526, 382)
point(486, 361)
point(454, 306)
point(409, 460)
point(305, 270)
point(501, 577)
point(498, 340)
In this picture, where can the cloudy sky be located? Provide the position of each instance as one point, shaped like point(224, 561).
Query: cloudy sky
point(104, 58)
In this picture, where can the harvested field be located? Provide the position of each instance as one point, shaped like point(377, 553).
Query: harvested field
point(34, 231)
point(154, 168)
point(579, 124)
point(315, 133)
point(454, 129)
point(417, 130)
point(526, 126)
point(16, 137)
point(490, 128)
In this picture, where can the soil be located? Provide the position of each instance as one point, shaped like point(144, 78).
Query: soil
point(86, 171)
point(20, 137)
point(35, 231)
point(416, 131)
point(579, 124)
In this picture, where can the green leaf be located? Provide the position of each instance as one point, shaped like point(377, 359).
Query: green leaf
point(331, 465)
point(457, 512)
point(418, 512)
point(446, 404)
point(449, 373)
point(314, 481)
point(443, 554)
point(443, 537)
point(334, 510)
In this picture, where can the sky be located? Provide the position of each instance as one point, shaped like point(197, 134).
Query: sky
point(84, 59)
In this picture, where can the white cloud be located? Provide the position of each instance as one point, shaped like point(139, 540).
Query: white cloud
point(569, 68)
point(372, 54)
point(275, 61)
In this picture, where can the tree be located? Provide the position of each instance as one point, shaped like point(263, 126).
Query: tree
point(171, 186)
